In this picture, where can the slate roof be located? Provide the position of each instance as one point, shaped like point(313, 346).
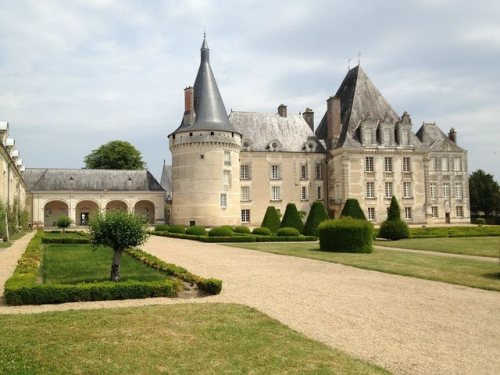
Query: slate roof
point(50, 179)
point(430, 135)
point(260, 130)
point(166, 178)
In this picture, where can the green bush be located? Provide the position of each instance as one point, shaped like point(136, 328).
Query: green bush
point(161, 228)
point(262, 231)
point(176, 228)
point(70, 240)
point(317, 214)
point(394, 213)
point(480, 221)
point(285, 238)
point(211, 286)
point(346, 235)
point(288, 232)
point(241, 229)
point(291, 218)
point(63, 222)
point(221, 232)
point(352, 209)
point(196, 230)
point(271, 219)
point(394, 228)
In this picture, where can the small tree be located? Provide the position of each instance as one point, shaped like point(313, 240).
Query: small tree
point(118, 230)
point(271, 219)
point(291, 218)
point(352, 209)
point(317, 214)
point(63, 222)
point(394, 228)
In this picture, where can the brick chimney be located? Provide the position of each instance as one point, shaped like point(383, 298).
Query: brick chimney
point(282, 110)
point(334, 125)
point(452, 135)
point(309, 117)
point(188, 105)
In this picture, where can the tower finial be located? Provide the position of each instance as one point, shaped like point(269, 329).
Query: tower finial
point(204, 31)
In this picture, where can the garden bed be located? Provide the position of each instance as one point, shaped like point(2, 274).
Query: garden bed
point(237, 237)
point(440, 232)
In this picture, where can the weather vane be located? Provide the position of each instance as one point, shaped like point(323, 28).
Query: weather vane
point(359, 57)
point(348, 64)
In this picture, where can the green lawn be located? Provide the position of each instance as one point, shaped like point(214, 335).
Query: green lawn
point(77, 263)
point(176, 339)
point(473, 273)
point(67, 234)
point(480, 246)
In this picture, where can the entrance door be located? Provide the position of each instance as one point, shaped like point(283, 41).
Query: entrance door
point(84, 218)
point(447, 218)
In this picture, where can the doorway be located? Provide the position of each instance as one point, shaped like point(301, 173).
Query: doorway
point(84, 218)
point(447, 217)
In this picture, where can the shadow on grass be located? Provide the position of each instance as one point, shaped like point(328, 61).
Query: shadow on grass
point(494, 276)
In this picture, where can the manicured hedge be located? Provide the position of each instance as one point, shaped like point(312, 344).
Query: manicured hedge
point(317, 214)
point(288, 232)
point(353, 210)
point(262, 231)
point(291, 218)
point(161, 228)
point(242, 238)
point(68, 240)
point(394, 228)
point(223, 231)
point(271, 219)
point(346, 235)
point(241, 229)
point(176, 229)
point(196, 230)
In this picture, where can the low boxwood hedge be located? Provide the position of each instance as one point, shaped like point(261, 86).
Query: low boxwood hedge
point(262, 231)
point(176, 228)
point(68, 240)
point(161, 228)
point(288, 232)
point(242, 238)
point(241, 229)
point(223, 231)
point(346, 235)
point(196, 230)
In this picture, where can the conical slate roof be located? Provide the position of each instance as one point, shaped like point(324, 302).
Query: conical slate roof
point(209, 109)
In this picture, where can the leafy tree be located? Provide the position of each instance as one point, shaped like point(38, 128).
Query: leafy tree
point(291, 218)
point(484, 192)
point(394, 228)
point(317, 214)
point(115, 155)
point(271, 219)
point(63, 222)
point(118, 230)
point(352, 209)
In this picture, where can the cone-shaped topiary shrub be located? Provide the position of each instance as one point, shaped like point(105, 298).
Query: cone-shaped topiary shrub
point(224, 231)
point(346, 235)
point(262, 231)
point(196, 230)
point(271, 219)
point(241, 229)
point(291, 218)
point(394, 228)
point(288, 232)
point(352, 209)
point(317, 214)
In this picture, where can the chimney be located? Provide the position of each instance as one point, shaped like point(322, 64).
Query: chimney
point(188, 105)
point(453, 135)
point(282, 110)
point(309, 117)
point(333, 118)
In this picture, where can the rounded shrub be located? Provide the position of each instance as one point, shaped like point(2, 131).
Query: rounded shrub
point(317, 214)
point(161, 228)
point(262, 231)
point(346, 235)
point(241, 229)
point(223, 231)
point(288, 232)
point(352, 209)
point(176, 229)
point(394, 230)
point(291, 218)
point(196, 230)
point(480, 221)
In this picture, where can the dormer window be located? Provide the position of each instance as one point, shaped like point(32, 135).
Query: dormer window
point(387, 137)
point(404, 137)
point(367, 136)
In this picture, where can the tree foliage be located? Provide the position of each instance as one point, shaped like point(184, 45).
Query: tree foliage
point(118, 230)
point(291, 218)
point(484, 192)
point(352, 209)
point(63, 222)
point(115, 155)
point(317, 214)
point(271, 219)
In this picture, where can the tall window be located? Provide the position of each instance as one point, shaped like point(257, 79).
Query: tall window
point(388, 164)
point(371, 213)
point(303, 193)
point(459, 210)
point(433, 191)
point(369, 164)
point(227, 158)
point(387, 136)
point(459, 191)
point(434, 211)
point(318, 171)
point(245, 216)
point(407, 190)
point(319, 194)
point(303, 171)
point(245, 193)
point(370, 189)
point(388, 190)
point(432, 164)
point(227, 178)
point(368, 136)
point(408, 213)
point(223, 200)
point(406, 164)
point(275, 193)
point(457, 164)
point(404, 137)
point(275, 172)
point(446, 191)
point(244, 172)
point(444, 164)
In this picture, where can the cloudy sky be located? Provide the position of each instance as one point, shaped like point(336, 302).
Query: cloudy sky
point(77, 74)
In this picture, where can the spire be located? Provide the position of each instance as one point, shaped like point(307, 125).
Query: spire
point(205, 51)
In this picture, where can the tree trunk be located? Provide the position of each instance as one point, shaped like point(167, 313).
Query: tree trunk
point(115, 267)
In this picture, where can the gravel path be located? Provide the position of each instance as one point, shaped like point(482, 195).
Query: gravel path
point(406, 325)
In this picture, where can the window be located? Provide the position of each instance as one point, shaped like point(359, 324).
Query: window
point(432, 164)
point(407, 190)
point(245, 193)
point(388, 190)
point(370, 190)
point(371, 213)
point(387, 136)
point(434, 211)
point(303, 171)
point(245, 216)
point(318, 171)
point(388, 164)
point(444, 164)
point(368, 136)
point(244, 172)
point(459, 191)
point(406, 164)
point(408, 213)
point(433, 190)
point(227, 178)
point(446, 191)
point(457, 164)
point(227, 158)
point(319, 194)
point(303, 193)
point(275, 172)
point(404, 137)
point(369, 164)
point(275, 193)
point(459, 211)
point(223, 200)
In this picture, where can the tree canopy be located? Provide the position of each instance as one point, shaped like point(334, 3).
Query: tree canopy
point(484, 192)
point(115, 155)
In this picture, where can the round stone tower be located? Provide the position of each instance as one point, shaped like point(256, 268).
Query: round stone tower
point(205, 156)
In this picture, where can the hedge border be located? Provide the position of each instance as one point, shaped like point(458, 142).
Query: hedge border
point(237, 238)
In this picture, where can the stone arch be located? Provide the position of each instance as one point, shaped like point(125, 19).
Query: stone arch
point(147, 209)
point(117, 205)
point(52, 210)
point(84, 209)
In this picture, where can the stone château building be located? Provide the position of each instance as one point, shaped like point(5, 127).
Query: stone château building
point(229, 169)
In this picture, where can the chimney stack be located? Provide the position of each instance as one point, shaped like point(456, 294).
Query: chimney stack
point(452, 135)
point(309, 117)
point(188, 105)
point(282, 110)
point(334, 125)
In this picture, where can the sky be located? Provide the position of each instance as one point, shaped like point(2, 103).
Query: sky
point(77, 74)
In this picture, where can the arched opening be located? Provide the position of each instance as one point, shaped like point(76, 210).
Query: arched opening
point(146, 209)
point(84, 210)
point(116, 205)
point(52, 211)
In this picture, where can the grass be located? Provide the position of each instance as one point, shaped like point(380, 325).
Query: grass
point(12, 238)
point(71, 264)
point(67, 234)
point(176, 339)
point(479, 246)
point(468, 272)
